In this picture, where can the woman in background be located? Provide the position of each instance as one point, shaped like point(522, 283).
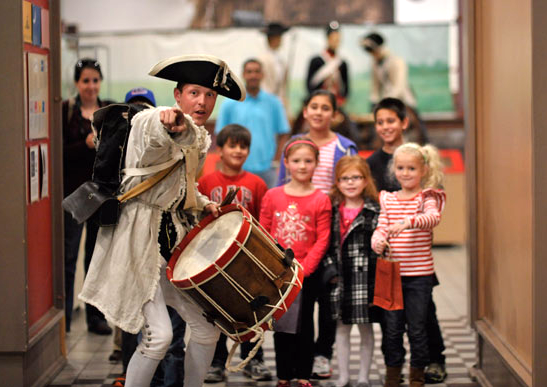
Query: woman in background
point(78, 159)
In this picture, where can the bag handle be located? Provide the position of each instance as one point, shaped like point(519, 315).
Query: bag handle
point(148, 183)
point(387, 253)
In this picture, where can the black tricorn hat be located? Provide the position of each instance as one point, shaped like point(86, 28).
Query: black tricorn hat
point(372, 41)
point(204, 70)
point(275, 29)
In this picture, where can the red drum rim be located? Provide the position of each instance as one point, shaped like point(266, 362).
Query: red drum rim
point(221, 261)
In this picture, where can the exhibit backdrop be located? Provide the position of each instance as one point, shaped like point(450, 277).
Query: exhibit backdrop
point(430, 51)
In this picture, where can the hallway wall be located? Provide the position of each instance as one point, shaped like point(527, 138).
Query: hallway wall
point(504, 187)
point(504, 141)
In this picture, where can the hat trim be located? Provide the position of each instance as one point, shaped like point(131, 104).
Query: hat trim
point(220, 78)
point(183, 58)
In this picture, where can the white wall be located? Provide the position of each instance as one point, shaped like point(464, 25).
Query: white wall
point(425, 11)
point(127, 15)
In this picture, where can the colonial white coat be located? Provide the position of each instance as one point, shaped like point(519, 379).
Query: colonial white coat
point(125, 268)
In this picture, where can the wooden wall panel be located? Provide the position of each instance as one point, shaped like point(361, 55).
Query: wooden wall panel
point(504, 165)
point(539, 209)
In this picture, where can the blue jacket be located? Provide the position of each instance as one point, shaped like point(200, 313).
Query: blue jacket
point(344, 147)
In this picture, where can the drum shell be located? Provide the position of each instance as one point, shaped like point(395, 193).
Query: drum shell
point(241, 269)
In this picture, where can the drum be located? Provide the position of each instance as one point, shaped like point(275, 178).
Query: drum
point(235, 272)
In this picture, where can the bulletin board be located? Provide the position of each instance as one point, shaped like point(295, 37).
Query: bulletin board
point(38, 162)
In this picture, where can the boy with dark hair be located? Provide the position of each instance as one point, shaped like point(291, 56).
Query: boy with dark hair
point(264, 115)
point(234, 142)
point(234, 133)
point(390, 120)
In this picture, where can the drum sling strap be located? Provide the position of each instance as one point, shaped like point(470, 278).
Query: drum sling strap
point(148, 183)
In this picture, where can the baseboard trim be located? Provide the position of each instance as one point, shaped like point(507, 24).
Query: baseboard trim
point(498, 364)
point(480, 377)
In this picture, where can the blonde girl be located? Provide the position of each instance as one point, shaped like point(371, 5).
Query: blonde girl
point(406, 220)
point(350, 263)
point(298, 216)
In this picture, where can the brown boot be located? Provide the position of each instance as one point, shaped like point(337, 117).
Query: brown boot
point(416, 377)
point(393, 376)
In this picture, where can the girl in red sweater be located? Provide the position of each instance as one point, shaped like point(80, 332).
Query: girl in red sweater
point(407, 218)
point(298, 215)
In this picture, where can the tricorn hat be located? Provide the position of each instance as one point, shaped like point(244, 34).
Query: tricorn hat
point(275, 29)
point(333, 26)
point(372, 41)
point(204, 70)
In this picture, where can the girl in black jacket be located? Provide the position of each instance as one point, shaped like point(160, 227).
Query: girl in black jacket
point(350, 263)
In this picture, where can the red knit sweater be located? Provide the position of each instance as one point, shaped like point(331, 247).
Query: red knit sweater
point(299, 222)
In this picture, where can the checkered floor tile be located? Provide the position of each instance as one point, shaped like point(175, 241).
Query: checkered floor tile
point(460, 357)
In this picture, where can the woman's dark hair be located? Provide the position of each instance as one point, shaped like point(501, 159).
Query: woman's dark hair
point(86, 63)
point(394, 104)
point(236, 133)
point(327, 93)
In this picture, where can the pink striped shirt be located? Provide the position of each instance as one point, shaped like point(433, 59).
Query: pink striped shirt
point(412, 247)
point(323, 176)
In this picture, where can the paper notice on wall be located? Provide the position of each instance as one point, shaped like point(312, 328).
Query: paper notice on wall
point(27, 22)
point(45, 170)
point(34, 178)
point(37, 96)
point(45, 28)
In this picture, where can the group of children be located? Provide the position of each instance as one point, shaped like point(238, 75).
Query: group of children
point(327, 209)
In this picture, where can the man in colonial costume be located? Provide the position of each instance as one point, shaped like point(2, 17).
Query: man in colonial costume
point(127, 279)
point(274, 66)
point(328, 70)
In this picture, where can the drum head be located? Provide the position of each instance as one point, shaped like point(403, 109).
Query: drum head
point(208, 245)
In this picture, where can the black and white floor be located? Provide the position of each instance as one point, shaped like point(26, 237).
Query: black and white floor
point(88, 365)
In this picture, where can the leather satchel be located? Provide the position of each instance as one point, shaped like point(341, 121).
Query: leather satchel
point(388, 290)
point(89, 201)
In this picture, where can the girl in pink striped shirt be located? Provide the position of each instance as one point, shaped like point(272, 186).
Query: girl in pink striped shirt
point(407, 218)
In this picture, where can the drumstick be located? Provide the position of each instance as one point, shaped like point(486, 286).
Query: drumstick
point(230, 196)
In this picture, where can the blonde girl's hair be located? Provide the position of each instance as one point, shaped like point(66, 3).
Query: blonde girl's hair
point(429, 156)
point(344, 164)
